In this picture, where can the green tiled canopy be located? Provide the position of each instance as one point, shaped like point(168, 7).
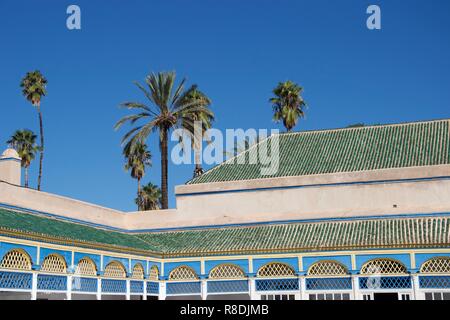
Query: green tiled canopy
point(419, 232)
point(344, 150)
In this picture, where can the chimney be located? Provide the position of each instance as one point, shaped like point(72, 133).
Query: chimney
point(10, 169)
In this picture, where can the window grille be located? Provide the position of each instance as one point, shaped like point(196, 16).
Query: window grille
point(327, 268)
point(436, 265)
point(174, 288)
point(238, 286)
point(84, 284)
point(138, 272)
point(434, 282)
point(46, 282)
point(54, 263)
point(276, 270)
point(15, 280)
point(115, 270)
point(383, 266)
point(277, 285)
point(16, 259)
point(136, 286)
point(86, 267)
point(226, 271)
point(114, 286)
point(329, 284)
point(183, 273)
point(154, 273)
point(152, 287)
point(376, 283)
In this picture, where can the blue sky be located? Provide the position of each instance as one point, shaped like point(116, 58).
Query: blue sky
point(236, 51)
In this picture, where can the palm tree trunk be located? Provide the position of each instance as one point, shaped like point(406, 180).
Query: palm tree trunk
point(164, 171)
point(139, 192)
point(41, 157)
point(198, 171)
point(26, 177)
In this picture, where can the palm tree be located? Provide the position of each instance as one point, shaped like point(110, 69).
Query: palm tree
point(149, 198)
point(206, 117)
point(34, 88)
point(167, 111)
point(137, 158)
point(24, 141)
point(288, 104)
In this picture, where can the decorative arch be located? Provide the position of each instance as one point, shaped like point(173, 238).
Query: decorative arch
point(16, 259)
point(115, 269)
point(154, 273)
point(183, 273)
point(276, 269)
point(54, 263)
point(327, 268)
point(138, 271)
point(86, 266)
point(436, 265)
point(383, 266)
point(227, 271)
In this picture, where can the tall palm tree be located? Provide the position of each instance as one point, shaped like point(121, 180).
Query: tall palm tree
point(137, 158)
point(205, 117)
point(165, 112)
point(149, 198)
point(24, 141)
point(34, 88)
point(288, 104)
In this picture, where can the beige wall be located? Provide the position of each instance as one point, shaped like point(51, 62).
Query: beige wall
point(10, 170)
point(302, 201)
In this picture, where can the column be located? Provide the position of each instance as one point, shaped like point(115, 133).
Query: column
point(34, 286)
point(99, 289)
point(204, 289)
point(417, 295)
point(355, 285)
point(252, 288)
point(128, 293)
point(162, 291)
point(69, 288)
point(302, 287)
point(144, 297)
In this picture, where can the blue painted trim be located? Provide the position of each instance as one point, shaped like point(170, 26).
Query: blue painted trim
point(220, 226)
point(316, 185)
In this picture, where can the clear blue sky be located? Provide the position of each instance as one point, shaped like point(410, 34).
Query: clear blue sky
point(235, 50)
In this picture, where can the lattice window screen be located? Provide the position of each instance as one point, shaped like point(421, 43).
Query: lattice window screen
point(383, 266)
point(327, 268)
point(115, 270)
point(154, 273)
point(436, 265)
point(183, 273)
point(86, 267)
point(276, 270)
point(54, 263)
point(16, 259)
point(138, 272)
point(226, 271)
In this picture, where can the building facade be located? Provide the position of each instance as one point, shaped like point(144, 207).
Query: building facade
point(351, 214)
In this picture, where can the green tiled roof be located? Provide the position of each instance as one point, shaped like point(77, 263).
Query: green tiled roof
point(344, 150)
point(413, 232)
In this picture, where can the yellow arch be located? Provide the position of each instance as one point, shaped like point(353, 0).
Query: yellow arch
point(227, 271)
point(327, 268)
point(276, 269)
point(17, 259)
point(86, 266)
point(436, 265)
point(115, 269)
point(384, 266)
point(54, 263)
point(183, 273)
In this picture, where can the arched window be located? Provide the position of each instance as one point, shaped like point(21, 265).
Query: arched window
point(86, 267)
point(436, 265)
point(276, 270)
point(115, 269)
point(183, 273)
point(327, 268)
point(54, 263)
point(383, 266)
point(154, 273)
point(138, 271)
point(16, 259)
point(226, 271)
